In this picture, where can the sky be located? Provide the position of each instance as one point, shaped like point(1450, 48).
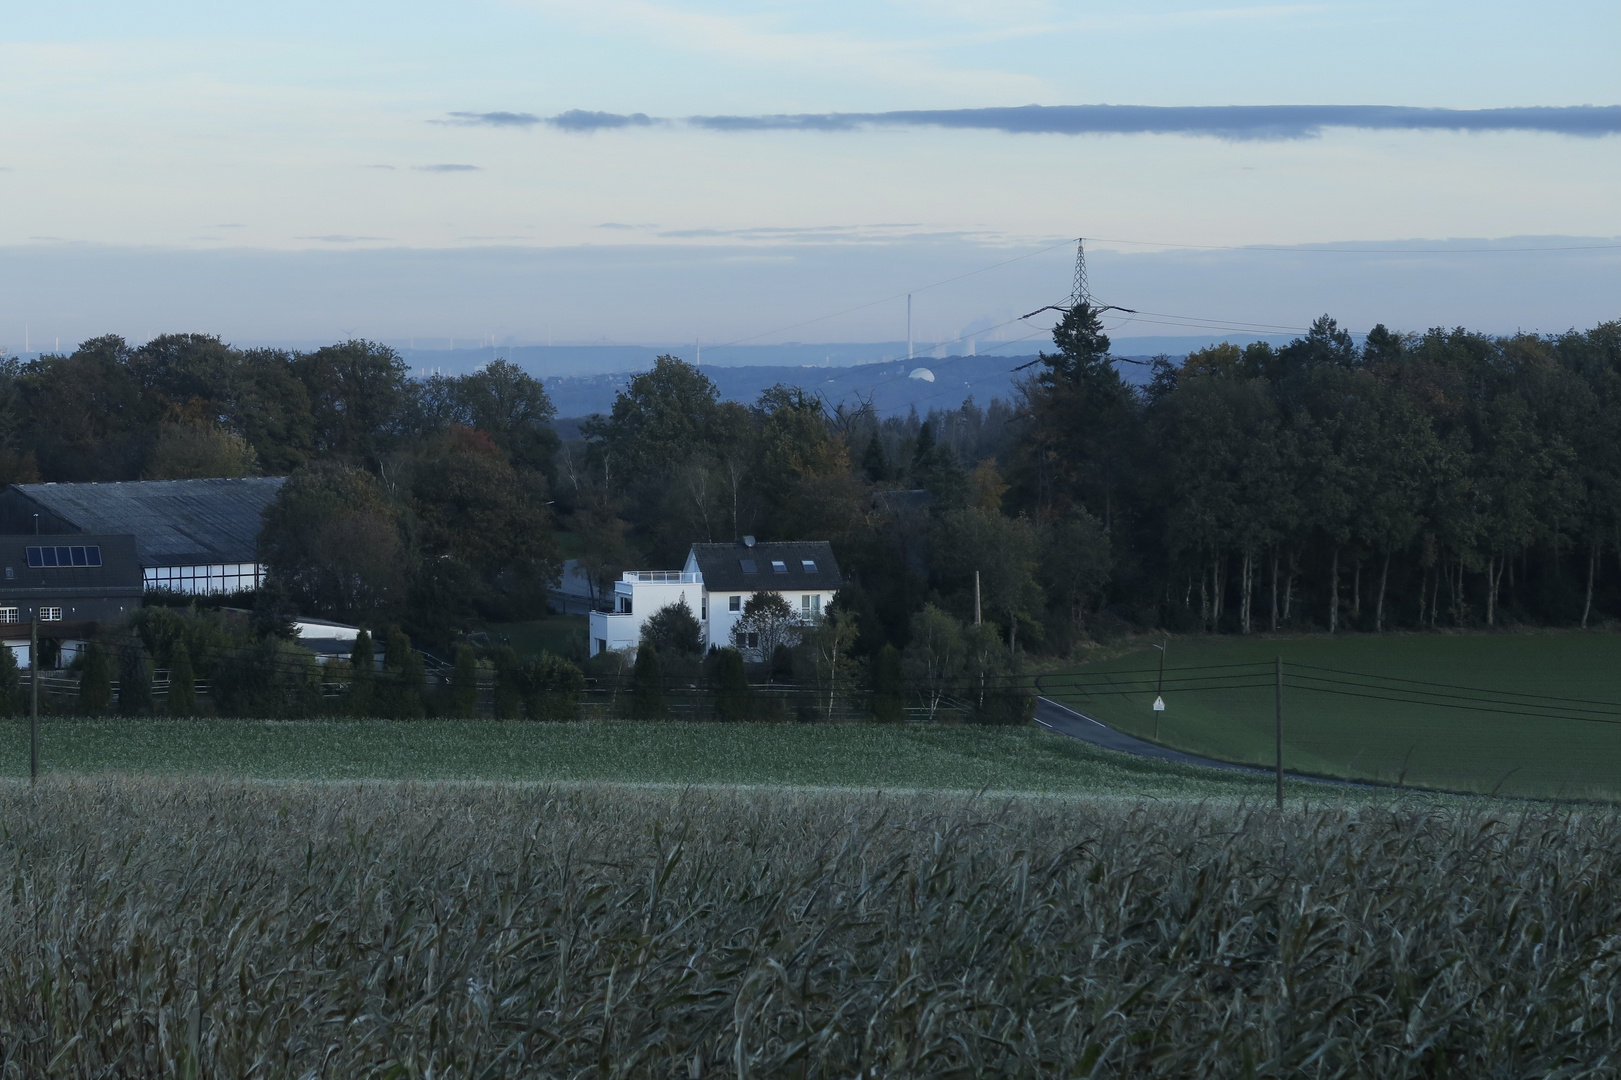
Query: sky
point(642, 171)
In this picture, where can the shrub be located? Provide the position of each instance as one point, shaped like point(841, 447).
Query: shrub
point(361, 699)
point(730, 683)
point(95, 680)
point(269, 679)
point(508, 684)
point(182, 682)
point(464, 684)
point(134, 681)
point(551, 687)
point(405, 680)
point(887, 703)
point(647, 695)
point(674, 631)
point(11, 688)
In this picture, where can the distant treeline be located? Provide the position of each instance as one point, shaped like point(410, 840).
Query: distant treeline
point(1447, 479)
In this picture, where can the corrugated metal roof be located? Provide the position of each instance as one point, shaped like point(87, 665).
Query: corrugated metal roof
point(175, 522)
point(723, 567)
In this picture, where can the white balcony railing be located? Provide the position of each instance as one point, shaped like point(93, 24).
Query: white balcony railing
point(669, 577)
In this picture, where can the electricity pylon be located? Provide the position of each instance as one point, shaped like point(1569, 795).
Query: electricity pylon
point(1080, 292)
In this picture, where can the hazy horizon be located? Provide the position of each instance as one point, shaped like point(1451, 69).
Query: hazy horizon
point(707, 170)
point(729, 298)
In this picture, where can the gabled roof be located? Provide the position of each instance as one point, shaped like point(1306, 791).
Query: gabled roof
point(174, 522)
point(722, 567)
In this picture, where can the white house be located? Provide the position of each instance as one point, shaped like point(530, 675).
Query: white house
point(716, 582)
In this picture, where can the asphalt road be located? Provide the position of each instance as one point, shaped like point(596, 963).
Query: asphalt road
point(1066, 721)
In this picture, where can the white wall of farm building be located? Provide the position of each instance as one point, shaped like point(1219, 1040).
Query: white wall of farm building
point(204, 578)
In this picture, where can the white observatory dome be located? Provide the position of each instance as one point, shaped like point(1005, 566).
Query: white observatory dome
point(922, 373)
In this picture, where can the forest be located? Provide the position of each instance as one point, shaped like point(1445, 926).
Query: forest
point(1449, 479)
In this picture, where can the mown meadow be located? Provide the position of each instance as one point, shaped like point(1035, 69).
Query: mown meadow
point(192, 927)
point(872, 756)
point(1530, 714)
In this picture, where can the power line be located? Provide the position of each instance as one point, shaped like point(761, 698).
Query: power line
point(1441, 698)
point(1450, 705)
point(1455, 686)
point(1080, 287)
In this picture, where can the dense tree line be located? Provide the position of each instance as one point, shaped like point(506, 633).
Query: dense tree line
point(1445, 479)
point(417, 502)
point(1439, 480)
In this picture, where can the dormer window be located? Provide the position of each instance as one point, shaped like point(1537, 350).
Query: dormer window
point(778, 566)
point(808, 565)
point(748, 566)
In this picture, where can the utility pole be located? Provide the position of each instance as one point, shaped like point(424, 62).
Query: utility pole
point(33, 700)
point(976, 598)
point(1159, 694)
point(908, 326)
point(1278, 698)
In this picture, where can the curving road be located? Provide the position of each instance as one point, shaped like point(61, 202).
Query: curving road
point(1066, 721)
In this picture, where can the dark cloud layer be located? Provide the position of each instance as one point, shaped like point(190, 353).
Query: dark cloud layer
point(573, 120)
point(1221, 121)
point(1238, 122)
point(492, 119)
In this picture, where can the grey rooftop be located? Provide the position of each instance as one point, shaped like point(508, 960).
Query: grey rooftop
point(174, 522)
point(724, 567)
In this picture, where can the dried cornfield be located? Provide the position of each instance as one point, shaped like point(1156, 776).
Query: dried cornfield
point(215, 929)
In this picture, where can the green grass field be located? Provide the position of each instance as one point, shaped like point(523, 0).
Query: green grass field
point(794, 755)
point(1381, 740)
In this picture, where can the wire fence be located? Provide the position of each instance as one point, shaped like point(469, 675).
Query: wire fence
point(946, 697)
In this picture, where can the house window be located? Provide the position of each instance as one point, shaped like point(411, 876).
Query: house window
point(752, 640)
point(808, 565)
point(748, 566)
point(624, 605)
point(810, 604)
point(734, 603)
point(50, 614)
point(8, 614)
point(11, 573)
point(778, 566)
point(703, 608)
point(602, 645)
point(65, 556)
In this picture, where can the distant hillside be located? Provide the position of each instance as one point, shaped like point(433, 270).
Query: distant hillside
point(890, 387)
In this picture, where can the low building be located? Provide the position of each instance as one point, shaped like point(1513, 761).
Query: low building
point(716, 582)
point(69, 585)
point(191, 536)
point(326, 639)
